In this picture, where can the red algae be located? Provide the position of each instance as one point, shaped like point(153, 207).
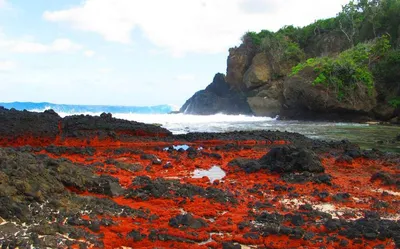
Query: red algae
point(226, 221)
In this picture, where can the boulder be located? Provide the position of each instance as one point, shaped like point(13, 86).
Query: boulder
point(288, 159)
point(187, 221)
point(259, 73)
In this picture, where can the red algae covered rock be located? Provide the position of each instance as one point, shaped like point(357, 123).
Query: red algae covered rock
point(22, 127)
point(96, 183)
point(105, 126)
point(44, 128)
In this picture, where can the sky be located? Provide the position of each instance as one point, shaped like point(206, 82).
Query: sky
point(130, 52)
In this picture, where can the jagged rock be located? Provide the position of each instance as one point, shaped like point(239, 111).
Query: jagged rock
point(24, 125)
point(248, 165)
point(386, 178)
point(217, 98)
point(105, 126)
point(259, 73)
point(290, 159)
point(187, 221)
point(239, 60)
point(302, 96)
point(326, 43)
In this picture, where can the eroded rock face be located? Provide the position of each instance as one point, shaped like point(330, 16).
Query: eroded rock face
point(239, 60)
point(263, 106)
point(259, 73)
point(218, 97)
point(300, 94)
point(326, 43)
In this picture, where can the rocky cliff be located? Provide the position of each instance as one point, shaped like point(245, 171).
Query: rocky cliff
point(316, 72)
point(254, 85)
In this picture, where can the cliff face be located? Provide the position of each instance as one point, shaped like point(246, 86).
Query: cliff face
point(256, 83)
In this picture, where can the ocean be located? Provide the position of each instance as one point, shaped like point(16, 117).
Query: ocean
point(368, 136)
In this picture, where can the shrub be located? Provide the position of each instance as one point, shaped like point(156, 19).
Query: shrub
point(344, 72)
point(395, 102)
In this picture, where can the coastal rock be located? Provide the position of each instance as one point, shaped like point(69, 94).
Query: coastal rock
point(263, 106)
point(187, 221)
point(80, 195)
point(259, 73)
point(105, 126)
point(384, 111)
point(302, 96)
point(217, 98)
point(290, 159)
point(326, 43)
point(24, 125)
point(238, 62)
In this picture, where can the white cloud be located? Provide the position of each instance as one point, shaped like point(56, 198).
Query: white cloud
point(24, 46)
point(105, 70)
point(185, 77)
point(3, 3)
point(181, 26)
point(7, 65)
point(89, 53)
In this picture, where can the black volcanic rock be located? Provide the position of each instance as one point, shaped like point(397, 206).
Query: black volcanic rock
point(290, 159)
point(187, 220)
point(218, 97)
point(48, 125)
point(16, 124)
point(106, 126)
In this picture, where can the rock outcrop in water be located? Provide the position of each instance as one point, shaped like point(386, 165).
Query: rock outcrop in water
point(100, 182)
point(217, 98)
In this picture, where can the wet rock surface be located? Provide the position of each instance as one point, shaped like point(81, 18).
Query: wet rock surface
point(291, 159)
point(85, 188)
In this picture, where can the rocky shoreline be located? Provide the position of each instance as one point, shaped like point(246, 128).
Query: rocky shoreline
point(101, 182)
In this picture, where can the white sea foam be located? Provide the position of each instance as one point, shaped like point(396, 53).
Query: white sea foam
point(363, 134)
point(183, 123)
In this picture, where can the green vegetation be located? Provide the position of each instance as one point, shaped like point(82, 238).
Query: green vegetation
point(349, 69)
point(359, 21)
point(369, 29)
point(388, 68)
point(395, 102)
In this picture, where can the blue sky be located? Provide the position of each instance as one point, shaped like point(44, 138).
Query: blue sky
point(130, 52)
